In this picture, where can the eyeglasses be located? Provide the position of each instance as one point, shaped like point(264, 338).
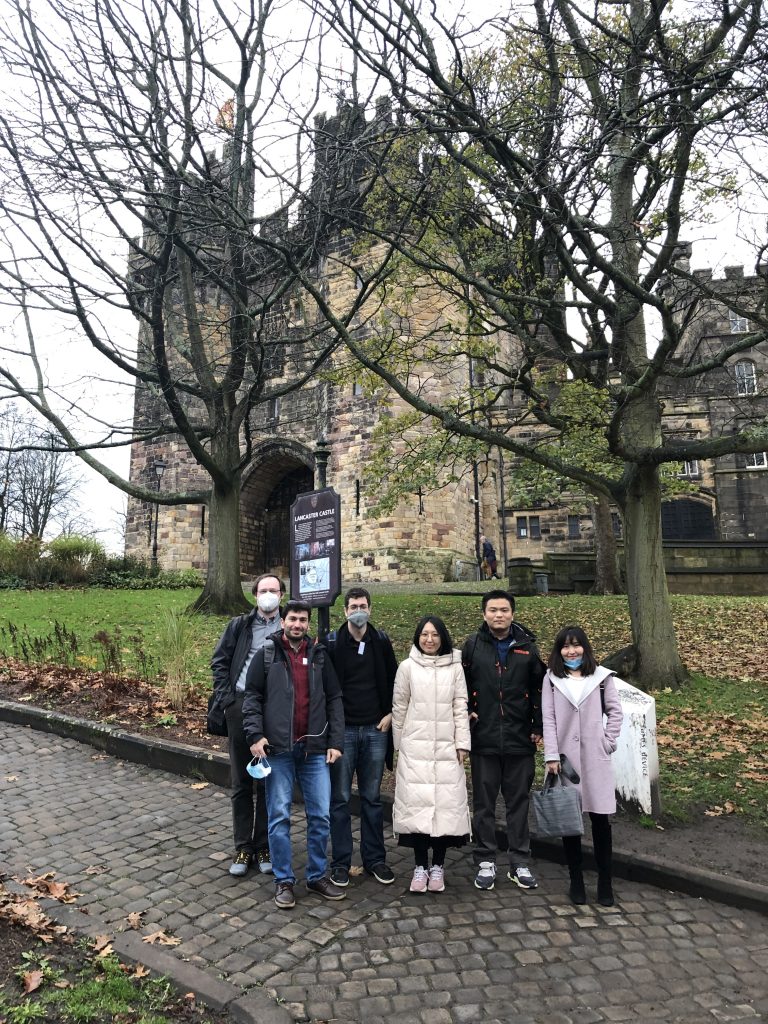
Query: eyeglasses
point(429, 636)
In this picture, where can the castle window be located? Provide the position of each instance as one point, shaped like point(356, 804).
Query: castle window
point(690, 468)
point(758, 460)
point(522, 527)
point(746, 377)
point(357, 497)
point(534, 524)
point(739, 324)
point(574, 528)
point(357, 389)
point(274, 408)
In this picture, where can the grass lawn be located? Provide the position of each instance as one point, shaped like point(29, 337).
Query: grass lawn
point(713, 734)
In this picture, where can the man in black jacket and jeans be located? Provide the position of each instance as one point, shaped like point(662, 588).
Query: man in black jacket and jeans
point(293, 708)
point(504, 675)
point(234, 652)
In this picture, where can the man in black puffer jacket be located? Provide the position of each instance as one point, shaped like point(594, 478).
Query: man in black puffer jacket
point(504, 675)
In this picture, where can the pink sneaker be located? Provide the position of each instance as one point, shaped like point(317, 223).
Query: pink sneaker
point(436, 879)
point(420, 880)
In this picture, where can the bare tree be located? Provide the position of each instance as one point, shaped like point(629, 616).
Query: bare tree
point(38, 479)
point(541, 173)
point(161, 132)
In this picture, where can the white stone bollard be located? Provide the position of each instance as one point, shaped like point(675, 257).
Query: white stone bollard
point(636, 758)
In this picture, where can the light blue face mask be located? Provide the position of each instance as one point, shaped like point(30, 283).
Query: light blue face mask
point(259, 768)
point(359, 618)
point(572, 662)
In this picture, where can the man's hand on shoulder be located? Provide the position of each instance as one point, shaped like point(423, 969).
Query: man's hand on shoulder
point(385, 724)
point(332, 754)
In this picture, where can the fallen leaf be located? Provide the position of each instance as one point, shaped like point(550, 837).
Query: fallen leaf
point(101, 941)
point(32, 981)
point(161, 937)
point(11, 778)
point(199, 785)
point(356, 869)
point(62, 983)
point(107, 951)
point(95, 869)
point(134, 919)
point(140, 972)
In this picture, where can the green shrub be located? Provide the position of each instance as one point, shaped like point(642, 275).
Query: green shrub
point(20, 557)
point(179, 579)
point(10, 582)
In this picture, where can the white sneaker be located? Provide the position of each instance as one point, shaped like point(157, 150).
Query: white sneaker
point(523, 877)
point(436, 879)
point(486, 875)
point(420, 880)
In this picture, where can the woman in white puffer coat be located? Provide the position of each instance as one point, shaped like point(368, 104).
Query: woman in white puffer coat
point(430, 730)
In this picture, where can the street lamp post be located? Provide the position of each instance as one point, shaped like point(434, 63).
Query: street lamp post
point(159, 468)
point(322, 452)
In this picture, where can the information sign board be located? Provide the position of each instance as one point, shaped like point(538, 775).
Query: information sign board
point(316, 547)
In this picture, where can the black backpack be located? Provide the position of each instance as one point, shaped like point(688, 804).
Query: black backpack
point(216, 719)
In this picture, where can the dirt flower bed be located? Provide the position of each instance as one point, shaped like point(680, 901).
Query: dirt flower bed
point(133, 704)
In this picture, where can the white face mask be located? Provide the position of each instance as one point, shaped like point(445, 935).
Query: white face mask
point(267, 602)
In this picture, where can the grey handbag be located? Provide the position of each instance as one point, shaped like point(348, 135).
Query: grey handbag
point(557, 807)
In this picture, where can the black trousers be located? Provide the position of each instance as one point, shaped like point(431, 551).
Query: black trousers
point(512, 776)
point(249, 804)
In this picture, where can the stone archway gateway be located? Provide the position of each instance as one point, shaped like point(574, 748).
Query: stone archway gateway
point(278, 472)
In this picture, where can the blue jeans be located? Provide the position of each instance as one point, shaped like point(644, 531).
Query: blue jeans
point(311, 773)
point(365, 749)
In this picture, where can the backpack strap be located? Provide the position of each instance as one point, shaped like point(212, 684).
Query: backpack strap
point(269, 655)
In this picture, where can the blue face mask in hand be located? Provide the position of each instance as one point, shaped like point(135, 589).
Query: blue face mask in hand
point(572, 662)
point(259, 768)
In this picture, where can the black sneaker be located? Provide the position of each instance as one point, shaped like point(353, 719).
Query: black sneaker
point(284, 897)
point(240, 864)
point(382, 873)
point(340, 877)
point(324, 887)
point(264, 861)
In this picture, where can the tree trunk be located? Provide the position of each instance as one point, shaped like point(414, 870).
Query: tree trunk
point(659, 663)
point(607, 579)
point(223, 591)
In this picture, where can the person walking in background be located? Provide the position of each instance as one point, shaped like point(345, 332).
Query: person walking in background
point(430, 729)
point(365, 665)
point(582, 719)
point(234, 652)
point(293, 707)
point(489, 557)
point(504, 673)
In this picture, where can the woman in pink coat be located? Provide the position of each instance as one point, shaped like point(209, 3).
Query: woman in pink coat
point(582, 718)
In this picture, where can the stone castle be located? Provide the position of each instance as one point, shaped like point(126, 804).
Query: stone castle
point(433, 535)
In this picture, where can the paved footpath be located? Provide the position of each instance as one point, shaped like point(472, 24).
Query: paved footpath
point(381, 954)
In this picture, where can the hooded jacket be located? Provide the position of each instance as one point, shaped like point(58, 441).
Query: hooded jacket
point(505, 697)
point(429, 724)
point(268, 703)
